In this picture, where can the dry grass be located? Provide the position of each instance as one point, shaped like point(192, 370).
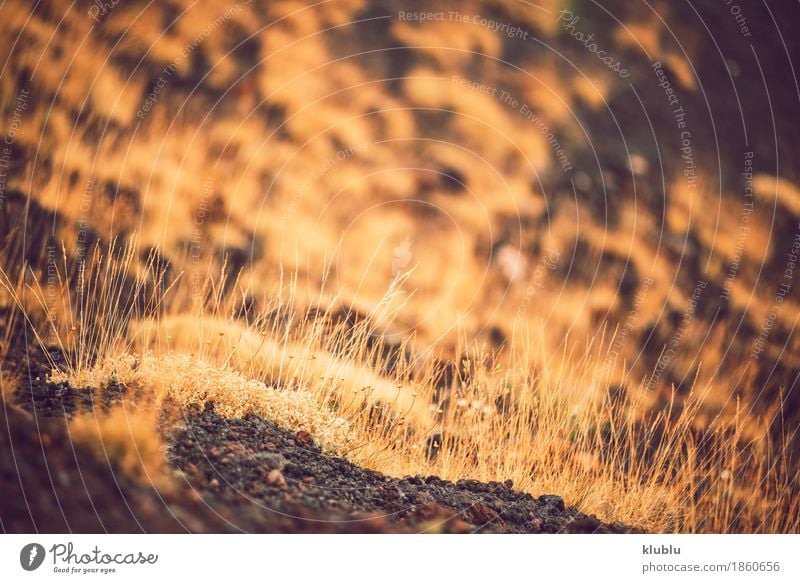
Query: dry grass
point(188, 381)
point(545, 419)
point(312, 360)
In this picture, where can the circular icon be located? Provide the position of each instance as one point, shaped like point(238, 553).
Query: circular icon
point(31, 556)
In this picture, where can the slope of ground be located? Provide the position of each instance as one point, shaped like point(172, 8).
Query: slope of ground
point(232, 475)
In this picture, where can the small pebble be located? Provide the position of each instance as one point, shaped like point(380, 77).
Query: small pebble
point(275, 478)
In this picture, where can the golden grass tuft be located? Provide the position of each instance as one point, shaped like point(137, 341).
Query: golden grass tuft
point(189, 381)
point(310, 360)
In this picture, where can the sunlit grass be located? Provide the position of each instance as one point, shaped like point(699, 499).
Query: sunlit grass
point(546, 420)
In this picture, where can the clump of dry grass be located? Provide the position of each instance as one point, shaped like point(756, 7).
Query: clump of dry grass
point(335, 365)
point(189, 381)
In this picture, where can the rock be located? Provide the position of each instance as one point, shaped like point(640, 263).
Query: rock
point(271, 460)
point(425, 498)
point(304, 437)
point(556, 502)
point(275, 478)
point(480, 513)
point(584, 525)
